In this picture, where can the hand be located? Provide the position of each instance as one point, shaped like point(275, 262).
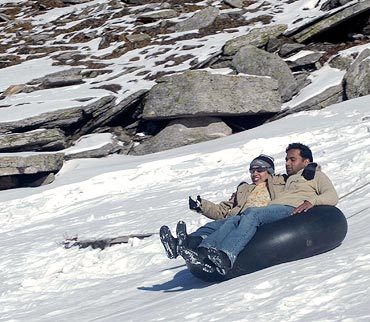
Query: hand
point(303, 207)
point(194, 203)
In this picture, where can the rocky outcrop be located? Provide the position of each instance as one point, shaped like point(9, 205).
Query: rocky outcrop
point(33, 169)
point(64, 119)
point(331, 21)
point(37, 140)
point(199, 93)
point(136, 66)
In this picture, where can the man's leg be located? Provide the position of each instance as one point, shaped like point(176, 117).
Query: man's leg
point(250, 220)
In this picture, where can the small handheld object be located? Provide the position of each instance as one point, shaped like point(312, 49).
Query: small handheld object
point(194, 203)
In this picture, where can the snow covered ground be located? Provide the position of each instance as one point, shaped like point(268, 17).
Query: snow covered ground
point(95, 198)
point(42, 281)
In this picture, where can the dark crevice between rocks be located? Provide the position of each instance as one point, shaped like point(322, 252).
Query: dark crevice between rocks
point(26, 180)
point(242, 123)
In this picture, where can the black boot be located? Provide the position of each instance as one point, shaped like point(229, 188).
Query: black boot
point(169, 242)
point(192, 257)
point(220, 259)
point(182, 235)
point(185, 240)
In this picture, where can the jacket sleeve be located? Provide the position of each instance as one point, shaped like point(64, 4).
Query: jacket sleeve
point(326, 193)
point(216, 211)
point(226, 208)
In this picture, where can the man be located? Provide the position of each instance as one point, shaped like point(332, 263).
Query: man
point(306, 187)
point(264, 188)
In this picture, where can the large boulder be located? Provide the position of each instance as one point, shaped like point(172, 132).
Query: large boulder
point(200, 93)
point(357, 78)
point(258, 37)
point(200, 19)
point(184, 132)
point(30, 163)
point(28, 169)
point(37, 140)
point(254, 61)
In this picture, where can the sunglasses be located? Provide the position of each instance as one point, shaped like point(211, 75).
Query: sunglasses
point(258, 169)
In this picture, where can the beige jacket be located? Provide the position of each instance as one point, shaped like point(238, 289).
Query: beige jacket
point(318, 191)
point(238, 200)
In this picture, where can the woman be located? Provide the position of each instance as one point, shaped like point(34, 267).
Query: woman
point(264, 188)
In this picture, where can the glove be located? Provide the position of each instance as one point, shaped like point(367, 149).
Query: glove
point(309, 171)
point(194, 204)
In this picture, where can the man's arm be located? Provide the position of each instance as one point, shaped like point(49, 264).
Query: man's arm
point(326, 194)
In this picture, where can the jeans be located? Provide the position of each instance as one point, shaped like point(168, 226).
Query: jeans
point(230, 235)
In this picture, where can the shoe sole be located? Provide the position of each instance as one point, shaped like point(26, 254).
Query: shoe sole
point(215, 258)
point(167, 242)
point(194, 259)
point(181, 233)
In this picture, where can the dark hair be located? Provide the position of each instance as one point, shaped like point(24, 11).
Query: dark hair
point(305, 151)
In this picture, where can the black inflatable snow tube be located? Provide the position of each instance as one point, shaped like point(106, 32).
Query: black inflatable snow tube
point(319, 230)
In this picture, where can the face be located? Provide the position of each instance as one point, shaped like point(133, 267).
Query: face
point(294, 162)
point(259, 176)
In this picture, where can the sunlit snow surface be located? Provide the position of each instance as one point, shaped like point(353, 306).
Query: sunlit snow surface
point(94, 198)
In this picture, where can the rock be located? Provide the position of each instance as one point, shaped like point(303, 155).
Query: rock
point(340, 62)
point(138, 37)
point(65, 119)
point(329, 22)
point(85, 149)
point(289, 48)
point(199, 93)
point(152, 16)
point(184, 132)
point(234, 3)
point(304, 58)
point(12, 90)
point(63, 78)
point(200, 19)
point(37, 140)
point(253, 61)
point(357, 79)
point(331, 95)
point(30, 163)
point(107, 111)
point(75, 1)
point(302, 79)
point(257, 37)
point(332, 4)
point(4, 18)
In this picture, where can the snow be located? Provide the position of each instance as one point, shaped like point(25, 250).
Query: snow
point(117, 195)
point(110, 197)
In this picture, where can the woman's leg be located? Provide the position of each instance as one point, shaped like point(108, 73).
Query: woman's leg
point(214, 240)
